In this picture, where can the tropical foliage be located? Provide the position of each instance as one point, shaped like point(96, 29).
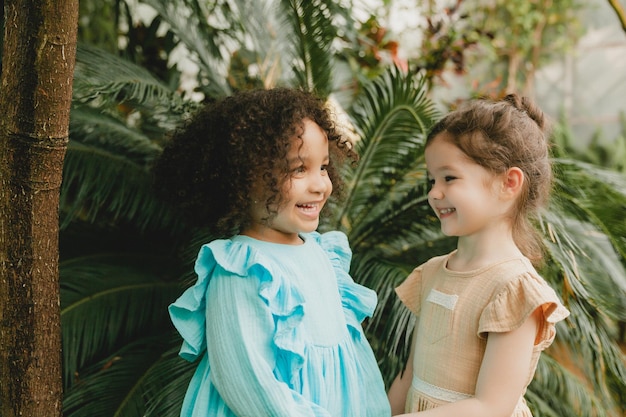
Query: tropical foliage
point(125, 256)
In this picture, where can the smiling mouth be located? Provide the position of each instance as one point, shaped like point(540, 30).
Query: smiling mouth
point(308, 207)
point(447, 211)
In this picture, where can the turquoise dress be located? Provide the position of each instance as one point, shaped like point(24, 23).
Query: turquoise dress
point(277, 332)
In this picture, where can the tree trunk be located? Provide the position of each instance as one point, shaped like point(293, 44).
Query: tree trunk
point(35, 97)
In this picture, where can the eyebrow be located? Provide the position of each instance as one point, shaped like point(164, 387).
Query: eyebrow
point(304, 158)
point(445, 168)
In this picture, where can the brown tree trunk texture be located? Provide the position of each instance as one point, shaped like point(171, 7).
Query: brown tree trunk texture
point(35, 96)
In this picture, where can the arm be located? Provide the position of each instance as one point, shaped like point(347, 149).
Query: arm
point(502, 377)
point(401, 384)
point(242, 355)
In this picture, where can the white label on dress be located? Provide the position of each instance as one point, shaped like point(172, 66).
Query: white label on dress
point(445, 300)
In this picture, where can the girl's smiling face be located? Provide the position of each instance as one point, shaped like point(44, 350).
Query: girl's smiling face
point(304, 193)
point(463, 194)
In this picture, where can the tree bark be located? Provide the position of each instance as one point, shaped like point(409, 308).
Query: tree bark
point(36, 90)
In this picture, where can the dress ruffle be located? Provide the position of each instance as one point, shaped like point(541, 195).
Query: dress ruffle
point(283, 299)
point(528, 291)
point(409, 291)
point(358, 302)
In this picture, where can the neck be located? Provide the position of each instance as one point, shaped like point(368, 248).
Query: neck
point(477, 251)
point(270, 235)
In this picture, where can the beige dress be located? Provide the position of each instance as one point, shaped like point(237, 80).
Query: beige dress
point(456, 312)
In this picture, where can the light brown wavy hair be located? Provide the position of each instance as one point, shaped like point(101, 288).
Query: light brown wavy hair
point(498, 135)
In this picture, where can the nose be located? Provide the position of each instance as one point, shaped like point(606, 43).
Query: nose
point(435, 193)
point(320, 183)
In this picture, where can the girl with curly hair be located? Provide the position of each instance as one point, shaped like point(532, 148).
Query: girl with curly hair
point(274, 318)
point(484, 315)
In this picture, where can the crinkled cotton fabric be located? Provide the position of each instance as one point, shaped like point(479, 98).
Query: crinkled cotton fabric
point(457, 311)
point(276, 330)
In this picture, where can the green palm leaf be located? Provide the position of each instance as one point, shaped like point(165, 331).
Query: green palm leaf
point(584, 239)
point(91, 127)
point(389, 330)
point(594, 194)
point(593, 270)
point(99, 185)
point(208, 30)
point(556, 392)
point(119, 385)
point(106, 80)
point(100, 309)
point(314, 29)
point(391, 117)
point(164, 385)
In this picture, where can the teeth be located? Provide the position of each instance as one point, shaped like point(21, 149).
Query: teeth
point(446, 211)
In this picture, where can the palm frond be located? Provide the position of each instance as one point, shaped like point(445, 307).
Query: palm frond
point(592, 268)
point(107, 80)
point(207, 33)
point(391, 116)
point(556, 391)
point(590, 281)
point(390, 227)
point(91, 127)
point(163, 386)
point(594, 194)
point(390, 327)
point(266, 37)
point(159, 390)
point(110, 387)
point(99, 308)
point(100, 185)
point(595, 354)
point(313, 25)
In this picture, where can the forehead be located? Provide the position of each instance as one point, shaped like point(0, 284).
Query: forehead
point(442, 152)
point(312, 141)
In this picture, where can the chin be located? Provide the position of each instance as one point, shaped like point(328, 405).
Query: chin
point(309, 228)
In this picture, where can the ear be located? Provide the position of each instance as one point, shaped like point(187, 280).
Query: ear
point(512, 183)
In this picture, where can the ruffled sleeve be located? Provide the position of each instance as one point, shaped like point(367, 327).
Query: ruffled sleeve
point(410, 291)
point(284, 301)
point(252, 333)
point(510, 308)
point(358, 302)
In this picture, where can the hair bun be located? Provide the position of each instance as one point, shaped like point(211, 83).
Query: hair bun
point(526, 105)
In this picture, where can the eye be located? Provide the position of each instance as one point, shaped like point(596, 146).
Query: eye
point(431, 182)
point(324, 168)
point(449, 178)
point(298, 171)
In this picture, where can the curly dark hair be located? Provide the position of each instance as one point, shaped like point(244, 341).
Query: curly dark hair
point(211, 164)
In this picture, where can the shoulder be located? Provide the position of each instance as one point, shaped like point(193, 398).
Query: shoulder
point(333, 240)
point(336, 246)
point(410, 290)
point(520, 292)
point(516, 275)
point(231, 254)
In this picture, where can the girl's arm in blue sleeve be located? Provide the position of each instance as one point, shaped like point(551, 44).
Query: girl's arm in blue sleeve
point(242, 355)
